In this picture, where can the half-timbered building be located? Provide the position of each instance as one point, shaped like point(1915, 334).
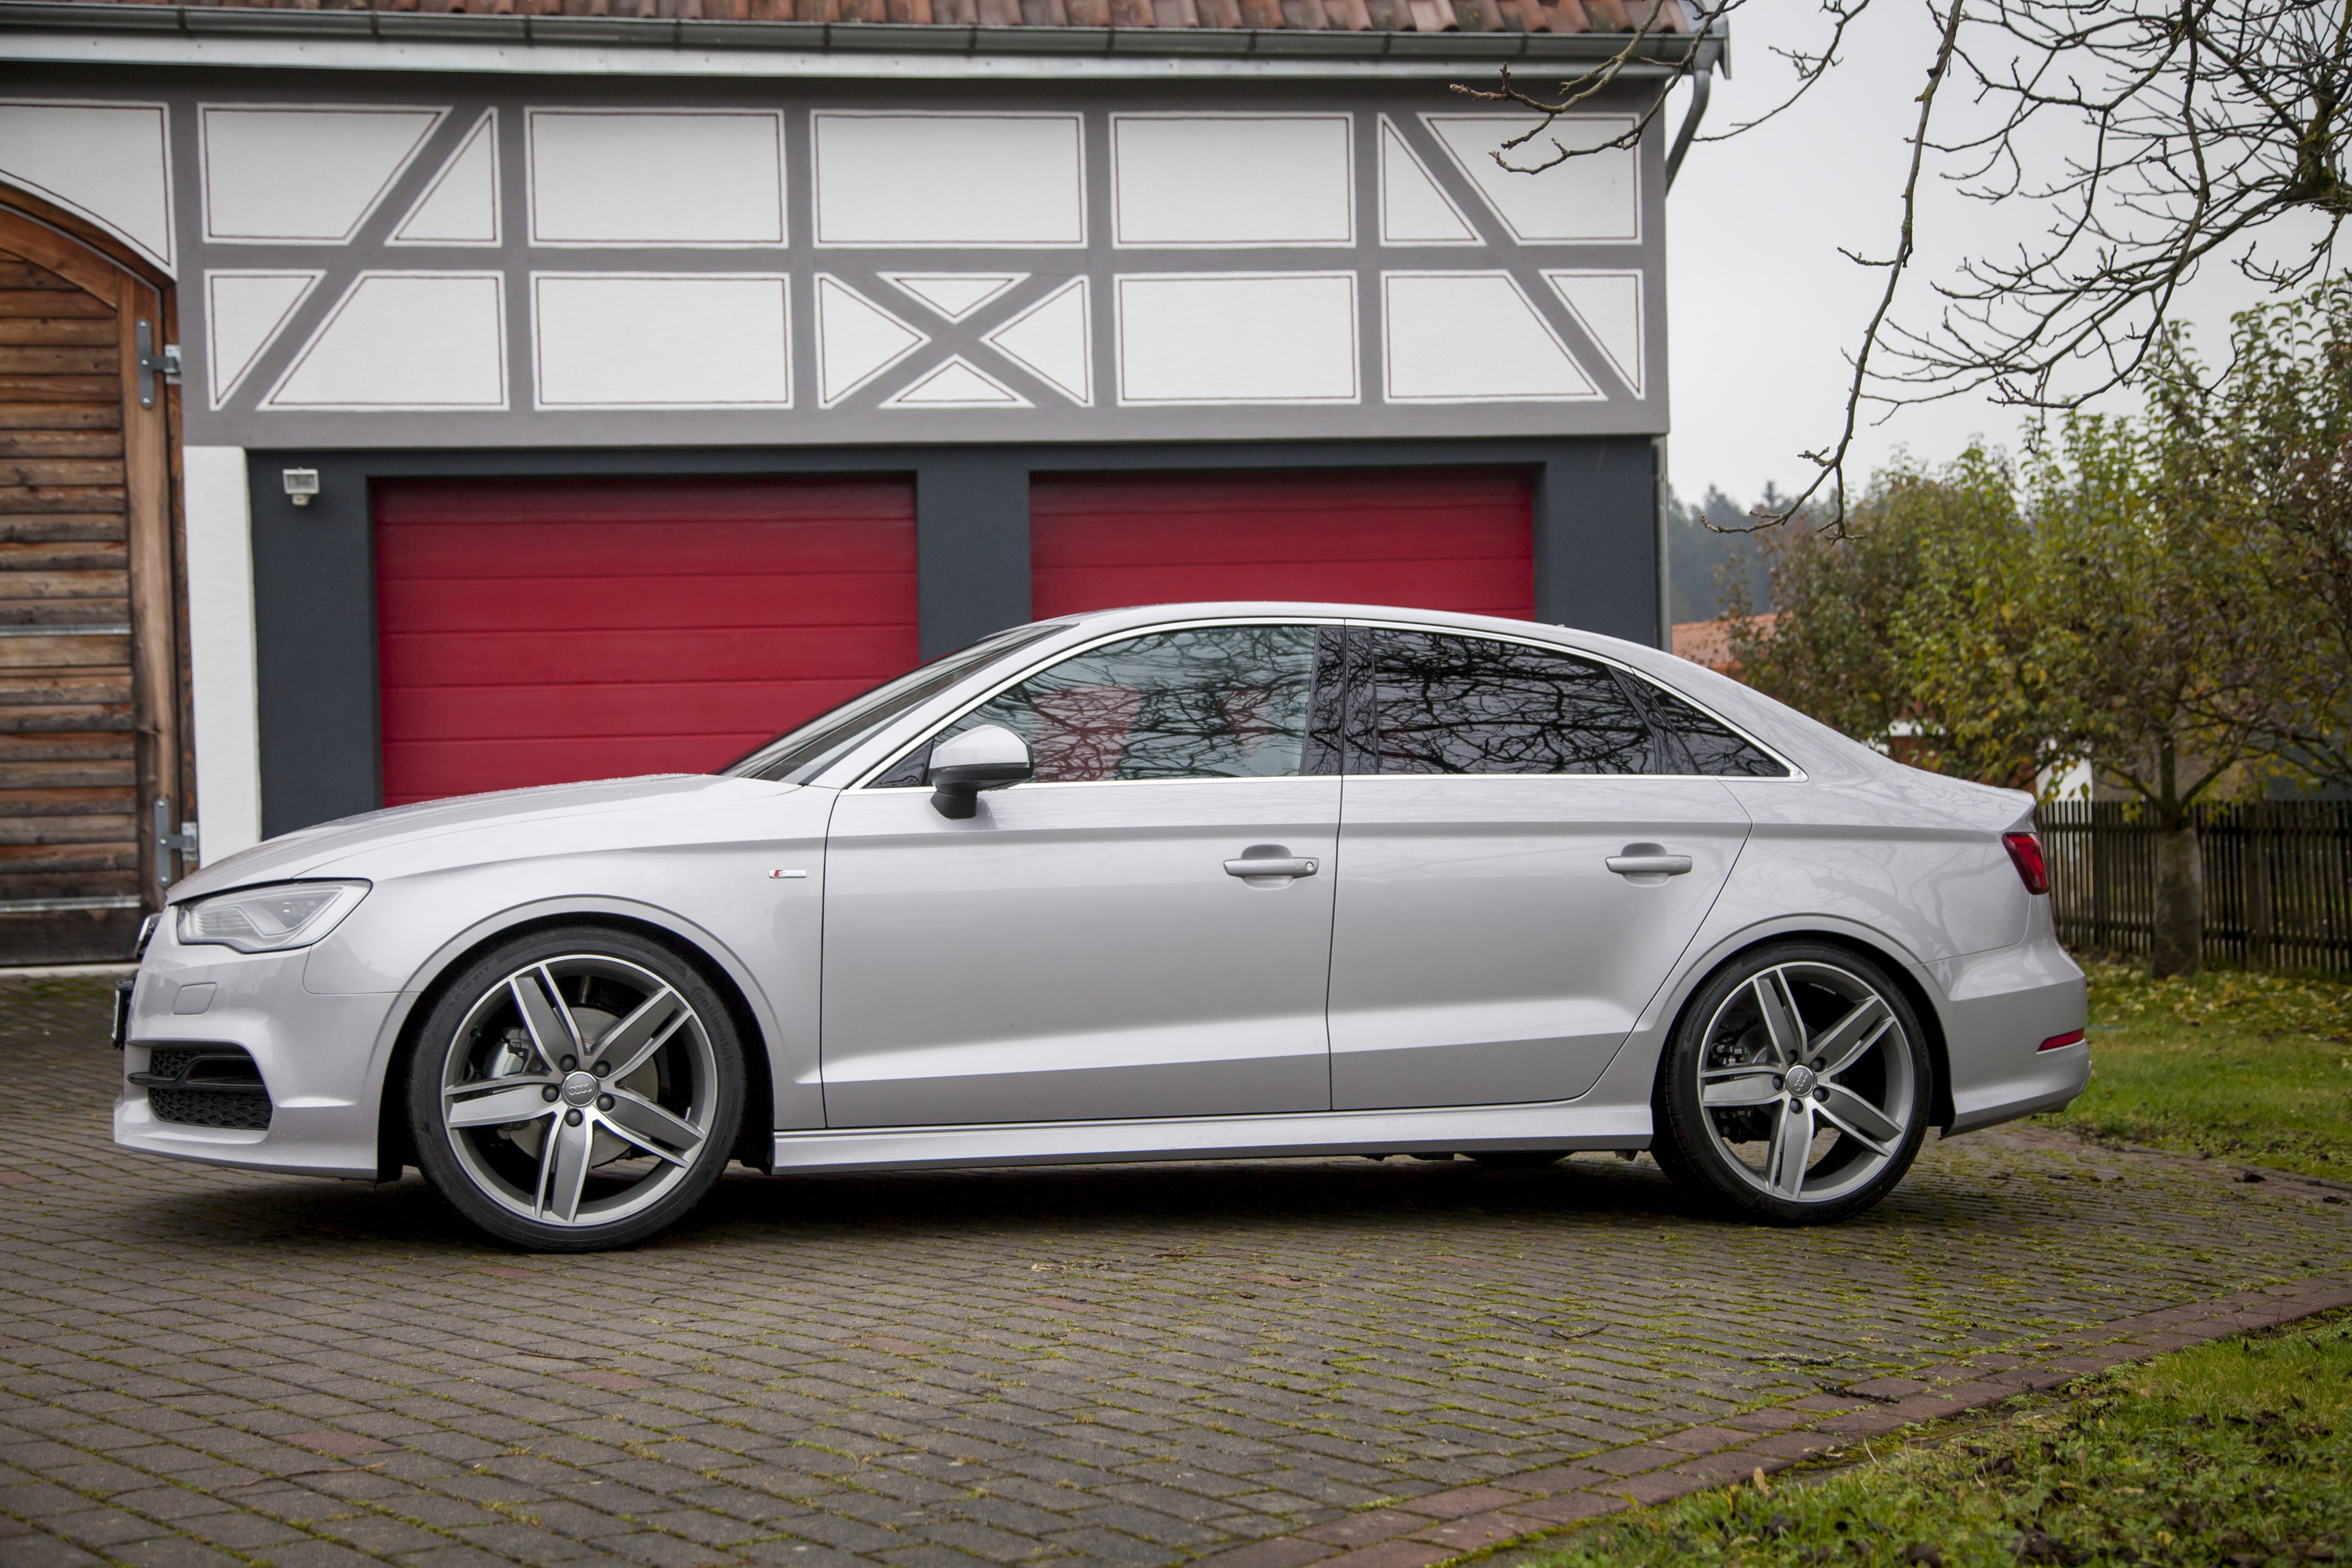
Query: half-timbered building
point(403, 401)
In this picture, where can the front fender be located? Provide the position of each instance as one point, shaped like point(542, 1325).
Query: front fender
point(765, 945)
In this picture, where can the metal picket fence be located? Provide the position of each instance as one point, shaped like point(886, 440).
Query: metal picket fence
point(2278, 879)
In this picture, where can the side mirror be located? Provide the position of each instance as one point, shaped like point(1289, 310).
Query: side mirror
point(987, 758)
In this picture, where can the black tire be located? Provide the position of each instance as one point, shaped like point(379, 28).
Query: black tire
point(560, 1147)
point(1740, 1152)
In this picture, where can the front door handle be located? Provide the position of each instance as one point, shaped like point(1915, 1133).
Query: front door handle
point(1649, 860)
point(1269, 867)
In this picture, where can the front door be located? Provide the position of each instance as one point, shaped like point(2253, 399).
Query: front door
point(1485, 951)
point(1094, 944)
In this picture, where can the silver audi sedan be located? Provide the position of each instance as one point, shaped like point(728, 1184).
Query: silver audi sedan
point(1227, 879)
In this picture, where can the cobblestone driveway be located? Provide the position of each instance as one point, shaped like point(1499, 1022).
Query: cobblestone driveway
point(1126, 1365)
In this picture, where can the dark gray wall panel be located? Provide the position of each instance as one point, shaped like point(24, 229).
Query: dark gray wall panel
point(1596, 539)
point(314, 592)
point(972, 546)
point(314, 629)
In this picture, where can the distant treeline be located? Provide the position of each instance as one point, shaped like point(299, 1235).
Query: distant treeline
point(1703, 564)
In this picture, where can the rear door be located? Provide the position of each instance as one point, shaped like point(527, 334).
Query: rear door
point(1484, 949)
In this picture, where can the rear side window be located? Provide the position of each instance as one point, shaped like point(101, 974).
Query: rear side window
point(1693, 741)
point(1444, 704)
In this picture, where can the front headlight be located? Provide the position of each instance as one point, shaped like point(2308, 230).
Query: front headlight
point(271, 919)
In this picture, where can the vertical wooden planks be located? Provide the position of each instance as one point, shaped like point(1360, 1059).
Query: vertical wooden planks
point(70, 839)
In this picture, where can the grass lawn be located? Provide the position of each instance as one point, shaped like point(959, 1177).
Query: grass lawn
point(2239, 1066)
point(2235, 1454)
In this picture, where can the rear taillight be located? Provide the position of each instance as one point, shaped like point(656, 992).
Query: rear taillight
point(2059, 1042)
point(2025, 853)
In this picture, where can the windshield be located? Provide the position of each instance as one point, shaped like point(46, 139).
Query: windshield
point(797, 755)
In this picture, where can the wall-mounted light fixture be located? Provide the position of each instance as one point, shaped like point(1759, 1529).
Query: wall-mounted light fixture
point(301, 484)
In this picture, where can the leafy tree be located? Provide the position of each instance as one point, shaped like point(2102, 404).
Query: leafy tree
point(1985, 668)
point(1829, 650)
point(2166, 655)
point(2110, 600)
point(2274, 443)
point(1920, 629)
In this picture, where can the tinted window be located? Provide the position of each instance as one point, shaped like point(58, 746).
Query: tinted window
point(1211, 702)
point(1468, 705)
point(1691, 742)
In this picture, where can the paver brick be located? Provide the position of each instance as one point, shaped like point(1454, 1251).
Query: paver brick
point(1286, 1552)
point(41, 1549)
point(1791, 1444)
point(1393, 1554)
point(1478, 1530)
point(1568, 1508)
point(1660, 1486)
point(1631, 1460)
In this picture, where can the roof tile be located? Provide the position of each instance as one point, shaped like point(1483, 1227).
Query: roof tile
point(1345, 15)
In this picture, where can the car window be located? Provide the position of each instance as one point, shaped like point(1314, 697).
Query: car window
point(1202, 703)
point(1691, 741)
point(1443, 704)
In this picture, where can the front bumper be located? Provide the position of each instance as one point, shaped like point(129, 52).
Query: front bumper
point(320, 1056)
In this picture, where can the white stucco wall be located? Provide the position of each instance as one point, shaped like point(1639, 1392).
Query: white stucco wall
point(221, 650)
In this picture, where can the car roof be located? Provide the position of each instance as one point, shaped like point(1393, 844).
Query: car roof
point(1642, 655)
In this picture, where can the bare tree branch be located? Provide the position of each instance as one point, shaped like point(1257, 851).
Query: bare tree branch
point(2157, 136)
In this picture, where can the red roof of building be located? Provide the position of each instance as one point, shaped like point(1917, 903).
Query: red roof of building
point(1709, 642)
point(1327, 15)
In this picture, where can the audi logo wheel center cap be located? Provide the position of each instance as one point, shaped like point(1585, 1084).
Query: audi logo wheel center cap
point(1800, 1082)
point(580, 1087)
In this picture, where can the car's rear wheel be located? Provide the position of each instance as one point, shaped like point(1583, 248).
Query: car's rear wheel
point(576, 1090)
point(1796, 1088)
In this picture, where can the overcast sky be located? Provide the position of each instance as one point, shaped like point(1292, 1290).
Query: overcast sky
point(1762, 305)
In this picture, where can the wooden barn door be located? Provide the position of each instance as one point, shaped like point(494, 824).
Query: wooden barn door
point(90, 688)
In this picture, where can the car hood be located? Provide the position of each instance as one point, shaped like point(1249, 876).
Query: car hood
point(305, 851)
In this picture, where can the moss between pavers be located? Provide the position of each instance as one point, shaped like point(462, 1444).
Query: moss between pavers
point(2235, 1453)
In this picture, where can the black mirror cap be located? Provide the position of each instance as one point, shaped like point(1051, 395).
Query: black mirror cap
point(955, 788)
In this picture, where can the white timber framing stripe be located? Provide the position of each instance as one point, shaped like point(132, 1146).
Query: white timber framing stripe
point(221, 650)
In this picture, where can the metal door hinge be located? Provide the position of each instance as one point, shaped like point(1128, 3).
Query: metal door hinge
point(167, 841)
point(150, 363)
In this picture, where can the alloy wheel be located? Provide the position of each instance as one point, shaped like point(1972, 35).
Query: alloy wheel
point(580, 1091)
point(1807, 1087)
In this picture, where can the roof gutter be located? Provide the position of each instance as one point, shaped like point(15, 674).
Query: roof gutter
point(47, 29)
point(1714, 54)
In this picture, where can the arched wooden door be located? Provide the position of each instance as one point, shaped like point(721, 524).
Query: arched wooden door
point(90, 732)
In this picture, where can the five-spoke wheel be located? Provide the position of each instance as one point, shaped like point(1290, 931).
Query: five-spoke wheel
point(576, 1090)
point(1796, 1088)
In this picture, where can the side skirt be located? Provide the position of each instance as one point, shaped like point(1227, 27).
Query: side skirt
point(1456, 1130)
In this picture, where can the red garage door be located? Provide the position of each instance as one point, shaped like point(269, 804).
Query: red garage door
point(1439, 538)
point(536, 632)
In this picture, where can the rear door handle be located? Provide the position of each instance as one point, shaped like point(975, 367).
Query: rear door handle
point(1269, 867)
point(1643, 859)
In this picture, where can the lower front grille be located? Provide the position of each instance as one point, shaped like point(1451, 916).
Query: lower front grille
point(206, 1086)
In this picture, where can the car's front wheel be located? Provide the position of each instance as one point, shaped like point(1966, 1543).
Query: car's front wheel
point(1796, 1088)
point(575, 1089)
